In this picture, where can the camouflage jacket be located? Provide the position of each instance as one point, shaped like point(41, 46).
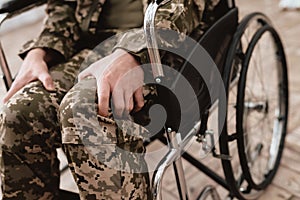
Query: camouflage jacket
point(67, 20)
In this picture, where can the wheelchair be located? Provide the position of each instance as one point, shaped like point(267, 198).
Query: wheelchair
point(251, 61)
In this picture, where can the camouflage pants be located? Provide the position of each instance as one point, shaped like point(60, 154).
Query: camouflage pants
point(106, 157)
point(30, 132)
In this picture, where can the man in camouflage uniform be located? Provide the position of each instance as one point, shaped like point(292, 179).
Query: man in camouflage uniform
point(31, 125)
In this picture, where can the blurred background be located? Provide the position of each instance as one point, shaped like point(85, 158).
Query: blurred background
point(286, 184)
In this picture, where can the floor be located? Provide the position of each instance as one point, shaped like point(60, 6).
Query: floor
point(286, 185)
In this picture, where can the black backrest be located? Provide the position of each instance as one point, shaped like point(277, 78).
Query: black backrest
point(217, 37)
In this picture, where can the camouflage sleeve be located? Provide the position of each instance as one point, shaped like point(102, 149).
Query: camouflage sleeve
point(182, 16)
point(60, 31)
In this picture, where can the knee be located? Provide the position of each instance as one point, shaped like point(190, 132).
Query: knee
point(70, 118)
point(66, 112)
point(29, 106)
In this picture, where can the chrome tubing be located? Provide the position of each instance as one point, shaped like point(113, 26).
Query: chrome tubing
point(159, 173)
point(178, 167)
point(7, 77)
point(173, 155)
point(151, 41)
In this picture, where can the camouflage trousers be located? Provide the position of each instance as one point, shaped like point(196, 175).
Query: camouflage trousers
point(30, 132)
point(106, 155)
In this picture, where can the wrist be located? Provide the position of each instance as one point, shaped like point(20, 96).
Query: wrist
point(37, 53)
point(121, 52)
point(47, 55)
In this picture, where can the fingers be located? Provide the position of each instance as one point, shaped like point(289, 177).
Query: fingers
point(139, 99)
point(123, 102)
point(130, 105)
point(118, 102)
point(16, 86)
point(117, 98)
point(103, 91)
point(21, 81)
point(47, 81)
point(128, 101)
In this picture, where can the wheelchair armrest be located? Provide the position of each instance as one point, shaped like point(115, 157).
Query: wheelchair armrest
point(9, 6)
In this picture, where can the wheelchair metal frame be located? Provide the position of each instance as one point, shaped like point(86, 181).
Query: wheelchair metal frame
point(173, 156)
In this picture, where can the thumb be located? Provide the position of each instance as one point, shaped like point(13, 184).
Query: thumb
point(47, 81)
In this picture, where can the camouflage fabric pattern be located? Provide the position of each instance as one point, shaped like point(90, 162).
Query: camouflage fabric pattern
point(30, 134)
point(98, 181)
point(69, 20)
point(95, 145)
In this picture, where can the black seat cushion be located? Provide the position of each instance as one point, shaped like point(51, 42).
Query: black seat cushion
point(8, 6)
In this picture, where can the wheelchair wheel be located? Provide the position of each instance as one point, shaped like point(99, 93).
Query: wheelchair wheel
point(255, 77)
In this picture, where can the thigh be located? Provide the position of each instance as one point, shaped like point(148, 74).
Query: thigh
point(65, 74)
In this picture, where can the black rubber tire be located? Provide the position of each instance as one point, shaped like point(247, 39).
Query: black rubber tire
point(283, 107)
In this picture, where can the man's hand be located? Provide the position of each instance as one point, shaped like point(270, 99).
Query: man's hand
point(119, 76)
point(34, 67)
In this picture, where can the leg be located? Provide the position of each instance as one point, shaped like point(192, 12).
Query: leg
point(95, 148)
point(30, 134)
